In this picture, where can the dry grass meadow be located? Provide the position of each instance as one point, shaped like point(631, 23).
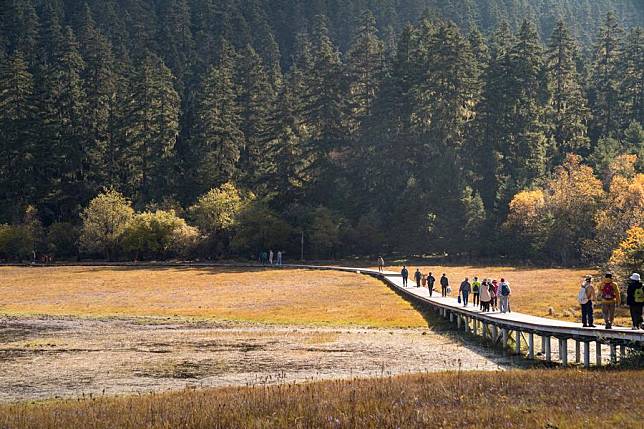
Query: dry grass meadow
point(525, 399)
point(546, 292)
point(285, 296)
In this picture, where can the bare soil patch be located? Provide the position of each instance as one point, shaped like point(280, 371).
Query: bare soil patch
point(66, 357)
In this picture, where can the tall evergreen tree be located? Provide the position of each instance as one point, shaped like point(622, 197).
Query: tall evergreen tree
point(151, 129)
point(17, 127)
point(604, 91)
point(217, 135)
point(631, 74)
point(569, 113)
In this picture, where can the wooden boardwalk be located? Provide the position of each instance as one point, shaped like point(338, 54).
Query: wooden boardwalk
point(518, 327)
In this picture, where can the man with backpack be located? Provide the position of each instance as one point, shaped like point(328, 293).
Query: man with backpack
point(464, 291)
point(444, 284)
point(611, 298)
point(504, 296)
point(476, 287)
point(418, 276)
point(635, 299)
point(586, 297)
point(404, 274)
point(430, 283)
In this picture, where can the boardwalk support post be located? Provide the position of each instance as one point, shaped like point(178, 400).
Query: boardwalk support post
point(598, 353)
point(517, 345)
point(546, 342)
point(504, 332)
point(495, 333)
point(577, 351)
point(613, 354)
point(530, 345)
point(622, 352)
point(458, 321)
point(563, 351)
point(586, 354)
point(451, 316)
point(484, 330)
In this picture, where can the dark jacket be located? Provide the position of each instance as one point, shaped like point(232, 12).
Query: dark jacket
point(418, 275)
point(465, 287)
point(404, 272)
point(431, 280)
point(630, 292)
point(444, 281)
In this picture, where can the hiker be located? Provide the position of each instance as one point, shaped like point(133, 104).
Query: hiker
point(485, 296)
point(418, 276)
point(494, 288)
point(404, 273)
point(504, 296)
point(464, 290)
point(444, 284)
point(611, 298)
point(263, 257)
point(635, 299)
point(270, 257)
point(423, 280)
point(586, 297)
point(279, 257)
point(476, 286)
point(381, 264)
point(430, 283)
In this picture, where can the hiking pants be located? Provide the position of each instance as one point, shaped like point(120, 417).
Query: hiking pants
point(587, 313)
point(504, 303)
point(444, 290)
point(466, 295)
point(475, 299)
point(608, 311)
point(636, 315)
point(417, 282)
point(431, 288)
point(485, 306)
point(404, 281)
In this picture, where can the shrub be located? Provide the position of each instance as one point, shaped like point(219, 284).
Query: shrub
point(158, 234)
point(260, 228)
point(16, 242)
point(62, 239)
point(217, 210)
point(103, 222)
point(628, 257)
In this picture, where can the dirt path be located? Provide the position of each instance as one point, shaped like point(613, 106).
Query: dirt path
point(61, 357)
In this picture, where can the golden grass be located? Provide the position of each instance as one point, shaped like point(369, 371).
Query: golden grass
point(546, 292)
point(525, 399)
point(284, 296)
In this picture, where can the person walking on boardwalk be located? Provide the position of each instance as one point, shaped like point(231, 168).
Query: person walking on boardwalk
point(444, 284)
point(476, 286)
point(635, 299)
point(423, 281)
point(381, 264)
point(405, 274)
point(464, 291)
point(494, 289)
point(270, 257)
point(586, 297)
point(418, 277)
point(610, 295)
point(504, 296)
point(485, 296)
point(279, 257)
point(430, 283)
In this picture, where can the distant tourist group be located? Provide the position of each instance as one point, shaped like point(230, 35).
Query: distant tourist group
point(610, 296)
point(492, 295)
point(488, 295)
point(271, 258)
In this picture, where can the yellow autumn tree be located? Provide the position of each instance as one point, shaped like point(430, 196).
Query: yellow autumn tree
point(628, 257)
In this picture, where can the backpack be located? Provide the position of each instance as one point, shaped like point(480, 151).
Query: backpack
point(608, 292)
point(638, 295)
point(582, 297)
point(505, 290)
point(475, 287)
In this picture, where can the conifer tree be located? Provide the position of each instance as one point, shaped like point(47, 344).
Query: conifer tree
point(569, 114)
point(631, 74)
point(217, 135)
point(151, 129)
point(604, 91)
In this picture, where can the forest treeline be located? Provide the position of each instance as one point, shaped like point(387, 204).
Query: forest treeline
point(158, 124)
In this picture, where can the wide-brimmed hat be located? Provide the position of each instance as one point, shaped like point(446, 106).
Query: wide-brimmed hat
point(589, 278)
point(635, 277)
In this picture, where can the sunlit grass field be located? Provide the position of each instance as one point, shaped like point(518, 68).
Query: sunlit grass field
point(284, 296)
point(522, 399)
point(546, 292)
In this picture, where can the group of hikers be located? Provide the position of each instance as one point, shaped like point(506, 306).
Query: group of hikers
point(610, 296)
point(488, 294)
point(493, 295)
point(269, 257)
